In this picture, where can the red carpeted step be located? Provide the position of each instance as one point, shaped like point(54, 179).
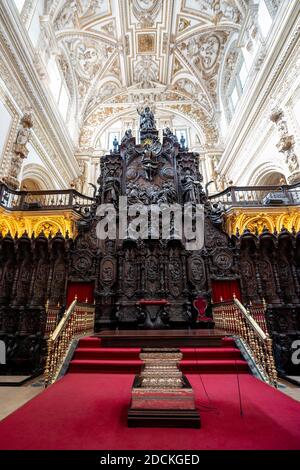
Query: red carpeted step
point(89, 342)
point(133, 353)
point(90, 356)
point(210, 353)
point(98, 366)
point(228, 342)
point(107, 353)
point(214, 366)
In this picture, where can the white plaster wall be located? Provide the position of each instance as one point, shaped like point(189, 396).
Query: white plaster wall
point(6, 121)
point(33, 157)
point(34, 167)
point(267, 159)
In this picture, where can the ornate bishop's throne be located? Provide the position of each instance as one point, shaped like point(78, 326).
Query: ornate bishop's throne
point(153, 283)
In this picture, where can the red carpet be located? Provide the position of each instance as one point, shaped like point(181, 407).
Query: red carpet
point(88, 411)
point(91, 357)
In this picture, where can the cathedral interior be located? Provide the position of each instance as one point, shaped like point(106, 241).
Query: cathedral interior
point(190, 104)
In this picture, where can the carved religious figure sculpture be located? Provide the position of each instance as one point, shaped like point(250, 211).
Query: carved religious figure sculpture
point(112, 188)
point(189, 187)
point(150, 164)
point(23, 136)
point(147, 121)
point(20, 151)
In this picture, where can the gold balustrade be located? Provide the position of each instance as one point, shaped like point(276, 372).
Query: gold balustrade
point(52, 314)
point(237, 320)
point(77, 321)
point(258, 312)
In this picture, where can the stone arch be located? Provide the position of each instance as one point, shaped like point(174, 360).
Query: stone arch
point(30, 184)
point(273, 178)
point(88, 109)
point(186, 75)
point(38, 175)
point(114, 117)
point(267, 174)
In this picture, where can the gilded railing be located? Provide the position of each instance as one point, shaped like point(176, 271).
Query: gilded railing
point(77, 321)
point(258, 312)
point(236, 319)
point(52, 315)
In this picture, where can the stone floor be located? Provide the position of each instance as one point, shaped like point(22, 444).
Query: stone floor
point(289, 389)
point(12, 398)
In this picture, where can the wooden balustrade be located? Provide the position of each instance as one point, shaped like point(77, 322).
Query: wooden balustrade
point(237, 320)
point(254, 196)
point(14, 200)
point(77, 321)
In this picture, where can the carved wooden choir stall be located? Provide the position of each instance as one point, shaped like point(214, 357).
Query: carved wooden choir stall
point(145, 283)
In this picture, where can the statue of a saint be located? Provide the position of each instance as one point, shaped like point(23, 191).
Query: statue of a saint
point(150, 163)
point(167, 194)
point(168, 133)
point(147, 121)
point(116, 145)
point(128, 135)
point(23, 136)
point(217, 214)
point(182, 142)
point(111, 187)
point(189, 187)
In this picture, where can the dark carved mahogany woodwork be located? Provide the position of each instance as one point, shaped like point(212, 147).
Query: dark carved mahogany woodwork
point(156, 173)
point(126, 271)
point(32, 271)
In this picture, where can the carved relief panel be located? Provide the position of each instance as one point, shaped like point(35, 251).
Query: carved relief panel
point(175, 276)
point(196, 272)
point(108, 272)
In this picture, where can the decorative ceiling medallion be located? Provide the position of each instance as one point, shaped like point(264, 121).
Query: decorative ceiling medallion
point(146, 43)
point(146, 11)
point(204, 50)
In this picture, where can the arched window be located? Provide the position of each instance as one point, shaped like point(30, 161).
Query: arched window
point(264, 18)
point(237, 83)
point(58, 87)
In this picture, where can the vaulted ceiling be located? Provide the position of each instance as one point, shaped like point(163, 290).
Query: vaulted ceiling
point(119, 54)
